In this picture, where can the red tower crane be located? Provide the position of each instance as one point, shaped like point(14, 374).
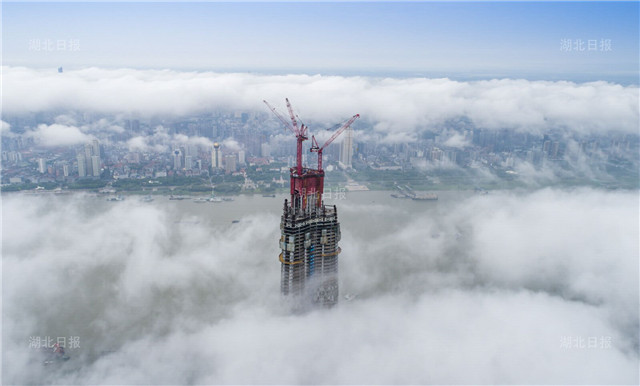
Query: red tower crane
point(300, 132)
point(314, 143)
point(307, 185)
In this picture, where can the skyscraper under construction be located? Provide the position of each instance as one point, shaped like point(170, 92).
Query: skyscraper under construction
point(310, 230)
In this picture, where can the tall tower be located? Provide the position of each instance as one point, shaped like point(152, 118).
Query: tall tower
point(216, 157)
point(310, 230)
point(177, 159)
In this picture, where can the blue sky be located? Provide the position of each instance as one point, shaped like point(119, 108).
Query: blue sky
point(472, 40)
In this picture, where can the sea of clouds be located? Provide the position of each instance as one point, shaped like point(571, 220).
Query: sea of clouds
point(537, 287)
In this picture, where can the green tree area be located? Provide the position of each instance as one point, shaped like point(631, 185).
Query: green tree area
point(266, 176)
point(129, 185)
point(29, 186)
point(226, 178)
point(224, 184)
point(182, 183)
point(227, 188)
point(200, 188)
point(178, 181)
point(87, 184)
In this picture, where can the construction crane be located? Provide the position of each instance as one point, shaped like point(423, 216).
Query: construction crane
point(300, 132)
point(280, 117)
point(319, 149)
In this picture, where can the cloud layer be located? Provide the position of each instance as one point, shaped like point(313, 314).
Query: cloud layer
point(162, 141)
point(397, 107)
point(471, 289)
point(58, 135)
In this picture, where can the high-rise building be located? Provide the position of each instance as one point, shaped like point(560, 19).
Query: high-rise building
point(95, 148)
point(265, 150)
point(241, 157)
point(42, 165)
point(65, 169)
point(190, 150)
point(95, 165)
point(310, 231)
point(230, 163)
point(188, 162)
point(88, 152)
point(346, 149)
point(82, 166)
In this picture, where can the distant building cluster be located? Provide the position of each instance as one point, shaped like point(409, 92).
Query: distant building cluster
point(229, 143)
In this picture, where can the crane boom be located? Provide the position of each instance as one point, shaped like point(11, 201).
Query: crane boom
point(319, 149)
point(340, 130)
point(293, 117)
point(280, 117)
point(300, 132)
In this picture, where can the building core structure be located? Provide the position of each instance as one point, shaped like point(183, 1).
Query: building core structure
point(310, 230)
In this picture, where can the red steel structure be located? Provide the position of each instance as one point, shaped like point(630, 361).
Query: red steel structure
point(310, 230)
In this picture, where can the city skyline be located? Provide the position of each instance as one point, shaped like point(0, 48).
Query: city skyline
point(252, 147)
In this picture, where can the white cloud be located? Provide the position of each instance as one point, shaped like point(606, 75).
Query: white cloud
point(66, 119)
point(232, 144)
point(58, 135)
point(104, 125)
point(395, 107)
point(181, 139)
point(140, 143)
point(162, 141)
point(457, 140)
point(5, 128)
point(534, 176)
